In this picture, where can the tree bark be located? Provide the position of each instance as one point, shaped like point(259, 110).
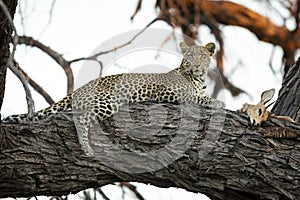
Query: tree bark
point(5, 38)
point(222, 159)
point(289, 94)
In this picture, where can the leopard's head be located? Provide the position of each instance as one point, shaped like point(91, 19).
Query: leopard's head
point(196, 59)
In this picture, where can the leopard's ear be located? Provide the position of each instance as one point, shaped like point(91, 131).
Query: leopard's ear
point(183, 47)
point(210, 48)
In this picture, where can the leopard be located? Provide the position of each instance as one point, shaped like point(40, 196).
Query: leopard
point(101, 98)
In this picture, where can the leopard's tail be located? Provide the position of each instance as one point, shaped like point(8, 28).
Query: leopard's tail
point(63, 105)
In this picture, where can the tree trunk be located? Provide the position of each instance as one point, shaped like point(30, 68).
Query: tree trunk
point(5, 37)
point(184, 146)
point(195, 148)
point(289, 94)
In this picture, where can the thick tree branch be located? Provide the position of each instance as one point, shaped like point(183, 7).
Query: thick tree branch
point(45, 158)
point(264, 29)
point(189, 14)
point(229, 13)
point(252, 21)
point(289, 94)
point(5, 38)
point(11, 64)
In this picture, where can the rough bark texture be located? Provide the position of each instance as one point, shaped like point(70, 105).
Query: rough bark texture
point(227, 160)
point(224, 160)
point(289, 94)
point(5, 37)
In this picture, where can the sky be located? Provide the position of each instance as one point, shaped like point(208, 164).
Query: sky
point(76, 29)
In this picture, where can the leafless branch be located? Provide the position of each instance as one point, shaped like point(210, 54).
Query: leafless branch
point(102, 193)
point(36, 86)
point(214, 27)
point(167, 39)
point(221, 81)
point(94, 57)
point(49, 18)
point(138, 7)
point(66, 64)
point(133, 189)
point(86, 195)
point(59, 59)
point(270, 61)
point(10, 64)
point(235, 91)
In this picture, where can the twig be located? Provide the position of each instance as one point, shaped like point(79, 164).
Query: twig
point(214, 27)
point(66, 64)
point(53, 54)
point(133, 189)
point(30, 103)
point(102, 193)
point(167, 39)
point(270, 61)
point(235, 91)
point(137, 9)
point(49, 19)
point(51, 11)
point(94, 57)
point(36, 86)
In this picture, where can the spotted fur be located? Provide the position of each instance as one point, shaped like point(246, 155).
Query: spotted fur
point(102, 97)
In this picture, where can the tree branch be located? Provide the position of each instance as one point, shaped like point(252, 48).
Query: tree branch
point(133, 189)
point(10, 62)
point(5, 37)
point(44, 158)
point(36, 86)
point(66, 64)
point(189, 14)
point(55, 56)
point(264, 29)
point(289, 94)
point(99, 190)
point(94, 57)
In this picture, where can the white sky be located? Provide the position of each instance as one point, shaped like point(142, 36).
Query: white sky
point(78, 28)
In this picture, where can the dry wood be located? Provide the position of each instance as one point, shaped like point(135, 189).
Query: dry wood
point(45, 158)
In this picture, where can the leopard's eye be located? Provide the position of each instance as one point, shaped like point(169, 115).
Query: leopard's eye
point(259, 112)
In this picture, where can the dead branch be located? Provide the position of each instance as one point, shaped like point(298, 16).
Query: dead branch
point(138, 7)
point(243, 17)
point(55, 56)
point(94, 57)
point(189, 14)
point(133, 189)
point(35, 85)
point(49, 18)
point(99, 190)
